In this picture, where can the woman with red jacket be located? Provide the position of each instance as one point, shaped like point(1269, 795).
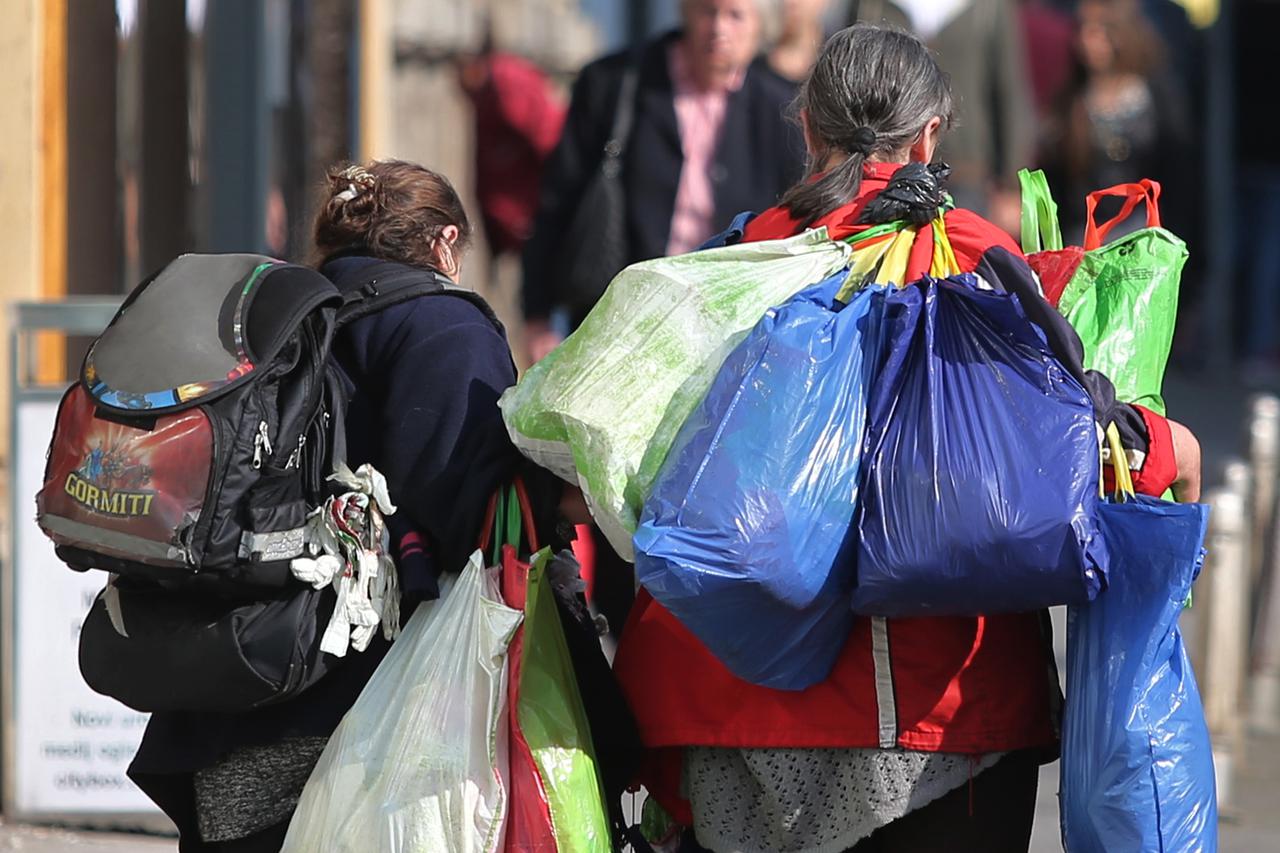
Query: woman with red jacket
point(929, 732)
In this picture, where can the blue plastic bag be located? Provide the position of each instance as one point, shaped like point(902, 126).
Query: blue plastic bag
point(1137, 767)
point(980, 476)
point(746, 535)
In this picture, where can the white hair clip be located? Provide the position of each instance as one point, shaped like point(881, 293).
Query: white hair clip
point(349, 194)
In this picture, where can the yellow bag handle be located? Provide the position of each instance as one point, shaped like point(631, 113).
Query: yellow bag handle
point(1119, 463)
point(944, 261)
point(885, 262)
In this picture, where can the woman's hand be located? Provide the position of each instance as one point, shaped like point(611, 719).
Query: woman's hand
point(539, 339)
point(1186, 452)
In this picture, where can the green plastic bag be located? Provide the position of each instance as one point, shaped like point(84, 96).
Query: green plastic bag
point(1122, 299)
point(554, 723)
point(602, 409)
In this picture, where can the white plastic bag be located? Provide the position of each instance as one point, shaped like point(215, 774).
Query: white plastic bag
point(418, 763)
point(602, 409)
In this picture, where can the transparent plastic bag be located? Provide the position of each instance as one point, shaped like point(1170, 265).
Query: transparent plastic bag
point(419, 762)
point(603, 408)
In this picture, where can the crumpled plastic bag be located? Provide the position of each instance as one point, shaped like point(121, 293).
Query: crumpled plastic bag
point(1137, 764)
point(980, 476)
point(745, 537)
point(1121, 297)
point(602, 409)
point(419, 761)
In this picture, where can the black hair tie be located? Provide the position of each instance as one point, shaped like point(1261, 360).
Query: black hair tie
point(861, 141)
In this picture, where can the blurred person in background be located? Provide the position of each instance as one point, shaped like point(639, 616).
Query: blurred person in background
point(708, 140)
point(979, 43)
point(1122, 118)
point(1049, 39)
point(1258, 189)
point(518, 119)
point(801, 32)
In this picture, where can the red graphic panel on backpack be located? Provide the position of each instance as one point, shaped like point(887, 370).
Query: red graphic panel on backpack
point(125, 491)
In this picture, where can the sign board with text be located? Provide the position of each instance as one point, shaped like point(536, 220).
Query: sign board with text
point(66, 749)
point(71, 746)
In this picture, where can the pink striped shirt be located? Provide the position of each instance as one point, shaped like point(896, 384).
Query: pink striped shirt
point(700, 117)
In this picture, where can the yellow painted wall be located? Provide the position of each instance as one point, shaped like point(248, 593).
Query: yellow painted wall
point(22, 145)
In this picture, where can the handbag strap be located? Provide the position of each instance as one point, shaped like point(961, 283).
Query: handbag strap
point(623, 118)
point(1145, 190)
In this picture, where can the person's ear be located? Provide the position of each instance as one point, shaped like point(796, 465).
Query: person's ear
point(444, 250)
point(926, 143)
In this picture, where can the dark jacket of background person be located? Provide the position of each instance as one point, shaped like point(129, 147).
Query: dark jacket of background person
point(982, 49)
point(760, 154)
point(427, 376)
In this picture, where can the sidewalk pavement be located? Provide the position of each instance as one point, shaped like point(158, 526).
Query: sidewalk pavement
point(35, 839)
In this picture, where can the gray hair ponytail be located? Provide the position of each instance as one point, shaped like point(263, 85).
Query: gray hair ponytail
point(871, 91)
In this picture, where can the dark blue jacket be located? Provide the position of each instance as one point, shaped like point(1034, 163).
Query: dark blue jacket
point(426, 377)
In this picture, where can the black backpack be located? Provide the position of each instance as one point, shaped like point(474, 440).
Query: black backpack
point(186, 460)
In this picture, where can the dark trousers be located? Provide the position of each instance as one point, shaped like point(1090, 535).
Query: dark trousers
point(991, 814)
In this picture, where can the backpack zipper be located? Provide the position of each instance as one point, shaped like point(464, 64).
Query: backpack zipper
point(261, 444)
point(295, 458)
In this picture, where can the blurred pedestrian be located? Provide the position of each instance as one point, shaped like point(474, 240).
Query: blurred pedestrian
point(1049, 39)
point(1121, 119)
point(1257, 189)
point(707, 140)
point(518, 119)
point(801, 32)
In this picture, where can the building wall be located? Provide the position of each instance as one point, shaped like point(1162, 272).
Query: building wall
point(21, 222)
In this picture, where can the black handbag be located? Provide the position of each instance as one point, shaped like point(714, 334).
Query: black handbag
point(182, 650)
point(594, 248)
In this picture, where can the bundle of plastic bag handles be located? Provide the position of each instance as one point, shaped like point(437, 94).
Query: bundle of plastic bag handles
point(882, 252)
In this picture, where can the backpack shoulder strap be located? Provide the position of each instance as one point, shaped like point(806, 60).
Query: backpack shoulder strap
point(386, 283)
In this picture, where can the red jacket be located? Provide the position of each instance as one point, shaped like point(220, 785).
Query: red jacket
point(955, 684)
point(518, 118)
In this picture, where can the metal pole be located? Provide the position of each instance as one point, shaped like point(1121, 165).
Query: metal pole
point(236, 126)
point(1264, 709)
point(1227, 571)
point(1264, 459)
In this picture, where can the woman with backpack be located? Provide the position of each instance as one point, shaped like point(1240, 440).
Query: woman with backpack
point(929, 732)
point(424, 377)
